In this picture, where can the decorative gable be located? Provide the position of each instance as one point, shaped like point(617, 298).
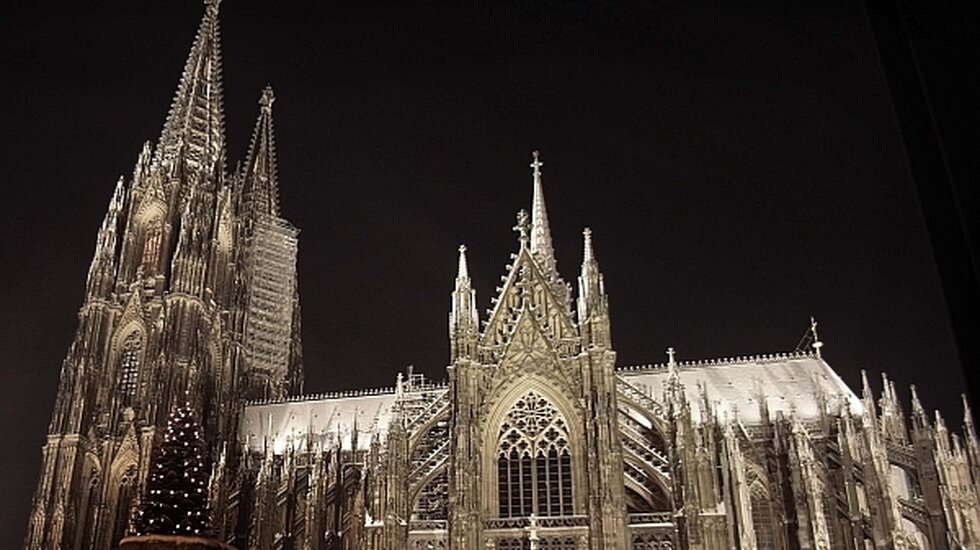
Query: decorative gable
point(526, 289)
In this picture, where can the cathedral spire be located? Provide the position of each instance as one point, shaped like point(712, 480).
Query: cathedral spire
point(541, 245)
point(260, 184)
point(194, 131)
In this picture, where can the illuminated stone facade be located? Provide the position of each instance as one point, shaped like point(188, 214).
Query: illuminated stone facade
point(538, 440)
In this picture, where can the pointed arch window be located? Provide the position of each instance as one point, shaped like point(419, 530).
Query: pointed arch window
point(129, 367)
point(534, 463)
point(152, 238)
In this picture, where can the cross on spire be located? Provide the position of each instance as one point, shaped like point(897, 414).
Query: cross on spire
point(537, 164)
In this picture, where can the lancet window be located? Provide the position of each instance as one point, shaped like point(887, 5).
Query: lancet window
point(152, 238)
point(534, 464)
point(129, 367)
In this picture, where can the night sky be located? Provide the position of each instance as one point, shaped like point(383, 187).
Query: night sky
point(741, 169)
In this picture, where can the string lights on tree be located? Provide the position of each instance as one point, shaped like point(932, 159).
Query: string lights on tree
point(176, 500)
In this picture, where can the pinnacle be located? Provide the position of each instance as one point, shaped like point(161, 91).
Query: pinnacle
point(588, 254)
point(463, 270)
point(268, 97)
point(967, 413)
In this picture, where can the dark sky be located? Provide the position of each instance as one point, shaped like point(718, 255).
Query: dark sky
point(741, 169)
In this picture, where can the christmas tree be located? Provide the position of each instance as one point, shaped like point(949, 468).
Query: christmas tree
point(176, 500)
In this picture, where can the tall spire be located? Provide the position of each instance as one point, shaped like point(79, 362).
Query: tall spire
point(541, 245)
point(260, 184)
point(194, 131)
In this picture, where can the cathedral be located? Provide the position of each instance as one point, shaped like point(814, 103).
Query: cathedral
point(537, 440)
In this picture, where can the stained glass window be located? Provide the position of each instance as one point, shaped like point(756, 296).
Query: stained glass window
point(534, 465)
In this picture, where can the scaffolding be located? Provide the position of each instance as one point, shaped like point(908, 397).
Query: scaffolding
point(268, 325)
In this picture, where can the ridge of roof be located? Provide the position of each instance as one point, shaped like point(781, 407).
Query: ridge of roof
point(724, 361)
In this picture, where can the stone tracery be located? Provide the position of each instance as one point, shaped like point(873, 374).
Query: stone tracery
point(534, 470)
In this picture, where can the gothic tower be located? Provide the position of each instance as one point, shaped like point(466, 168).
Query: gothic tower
point(191, 297)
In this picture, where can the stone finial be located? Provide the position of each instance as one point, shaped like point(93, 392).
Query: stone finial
point(268, 97)
point(536, 164)
point(817, 344)
point(523, 227)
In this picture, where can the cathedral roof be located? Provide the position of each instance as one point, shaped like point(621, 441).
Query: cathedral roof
point(738, 388)
point(330, 418)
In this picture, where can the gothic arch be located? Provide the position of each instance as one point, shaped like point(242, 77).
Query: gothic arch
point(764, 522)
point(87, 500)
point(501, 406)
point(150, 210)
point(150, 234)
point(127, 360)
point(121, 491)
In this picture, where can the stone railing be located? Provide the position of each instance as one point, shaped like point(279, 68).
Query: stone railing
point(428, 525)
point(541, 523)
point(656, 518)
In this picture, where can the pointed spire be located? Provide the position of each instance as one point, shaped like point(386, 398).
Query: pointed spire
point(942, 434)
point(463, 318)
point(592, 300)
point(102, 270)
point(868, 400)
point(260, 183)
point(588, 254)
point(194, 130)
point(919, 417)
point(540, 231)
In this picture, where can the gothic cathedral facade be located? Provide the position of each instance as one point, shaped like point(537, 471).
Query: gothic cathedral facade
point(538, 440)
